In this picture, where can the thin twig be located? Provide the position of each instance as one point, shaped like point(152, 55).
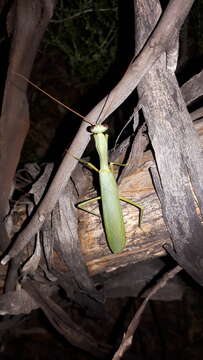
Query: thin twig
point(80, 13)
point(135, 111)
point(128, 336)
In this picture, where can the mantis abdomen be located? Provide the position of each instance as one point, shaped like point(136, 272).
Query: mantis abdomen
point(112, 212)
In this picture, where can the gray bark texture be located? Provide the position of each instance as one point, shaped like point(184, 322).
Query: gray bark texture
point(26, 21)
point(177, 150)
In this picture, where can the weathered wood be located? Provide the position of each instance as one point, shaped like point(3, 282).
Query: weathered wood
point(28, 21)
point(193, 88)
point(64, 232)
point(59, 318)
point(177, 150)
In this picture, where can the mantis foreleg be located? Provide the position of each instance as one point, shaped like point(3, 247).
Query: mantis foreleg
point(87, 163)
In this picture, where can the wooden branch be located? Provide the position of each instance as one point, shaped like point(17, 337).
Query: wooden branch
point(193, 88)
point(29, 19)
point(173, 16)
point(178, 155)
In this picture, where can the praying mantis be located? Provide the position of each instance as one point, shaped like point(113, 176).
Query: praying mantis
point(111, 208)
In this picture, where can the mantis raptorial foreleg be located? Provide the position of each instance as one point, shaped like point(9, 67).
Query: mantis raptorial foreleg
point(88, 164)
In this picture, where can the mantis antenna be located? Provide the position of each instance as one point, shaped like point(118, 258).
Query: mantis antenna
point(53, 98)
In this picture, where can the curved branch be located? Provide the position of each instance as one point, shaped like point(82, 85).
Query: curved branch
point(173, 17)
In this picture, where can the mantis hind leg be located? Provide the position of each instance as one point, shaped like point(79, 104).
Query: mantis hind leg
point(86, 202)
point(111, 164)
point(140, 207)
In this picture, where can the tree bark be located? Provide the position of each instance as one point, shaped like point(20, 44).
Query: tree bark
point(28, 21)
point(178, 153)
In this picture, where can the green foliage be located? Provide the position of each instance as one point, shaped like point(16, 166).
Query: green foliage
point(85, 32)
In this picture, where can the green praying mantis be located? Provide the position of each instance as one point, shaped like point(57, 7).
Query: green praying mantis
point(111, 208)
point(110, 200)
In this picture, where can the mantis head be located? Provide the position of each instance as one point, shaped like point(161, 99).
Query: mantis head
point(98, 129)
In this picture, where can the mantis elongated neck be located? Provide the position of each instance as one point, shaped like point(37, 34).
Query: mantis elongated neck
point(101, 143)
